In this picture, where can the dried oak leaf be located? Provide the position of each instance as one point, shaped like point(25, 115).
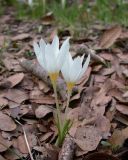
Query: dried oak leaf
point(6, 123)
point(43, 110)
point(87, 138)
point(109, 37)
point(4, 144)
point(15, 79)
point(16, 97)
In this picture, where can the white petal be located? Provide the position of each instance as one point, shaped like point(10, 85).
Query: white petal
point(42, 45)
point(64, 51)
point(75, 69)
point(39, 55)
point(65, 45)
point(50, 59)
point(85, 66)
point(66, 68)
point(55, 46)
point(36, 48)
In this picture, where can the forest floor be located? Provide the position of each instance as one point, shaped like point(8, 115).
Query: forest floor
point(98, 105)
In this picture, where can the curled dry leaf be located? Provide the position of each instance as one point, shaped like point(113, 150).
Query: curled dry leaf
point(43, 110)
point(109, 37)
point(118, 137)
point(6, 123)
point(15, 79)
point(4, 144)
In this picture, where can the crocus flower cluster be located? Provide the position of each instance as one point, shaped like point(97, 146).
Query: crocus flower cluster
point(53, 59)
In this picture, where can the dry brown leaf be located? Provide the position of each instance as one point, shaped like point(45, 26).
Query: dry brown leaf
point(16, 97)
point(21, 37)
point(125, 72)
point(124, 35)
point(15, 79)
point(46, 136)
point(122, 118)
point(99, 78)
point(21, 144)
point(2, 40)
point(101, 99)
point(125, 95)
point(9, 154)
point(73, 114)
point(43, 110)
point(122, 108)
point(43, 100)
point(43, 86)
point(6, 123)
point(12, 64)
point(117, 94)
point(87, 138)
point(3, 102)
point(6, 144)
point(106, 56)
point(118, 137)
point(103, 124)
point(109, 37)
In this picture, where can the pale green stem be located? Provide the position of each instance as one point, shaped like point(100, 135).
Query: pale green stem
point(56, 97)
point(59, 121)
point(68, 99)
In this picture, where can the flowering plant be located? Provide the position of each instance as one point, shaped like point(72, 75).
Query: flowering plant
point(54, 59)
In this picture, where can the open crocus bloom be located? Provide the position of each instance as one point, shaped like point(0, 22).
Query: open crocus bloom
point(73, 70)
point(50, 57)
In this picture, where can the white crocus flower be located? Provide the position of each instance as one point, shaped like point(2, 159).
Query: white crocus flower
point(73, 70)
point(50, 57)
